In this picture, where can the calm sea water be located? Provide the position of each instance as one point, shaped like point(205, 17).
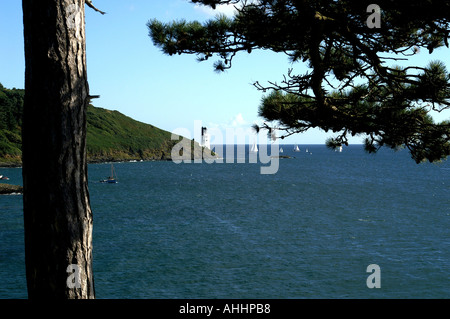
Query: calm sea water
point(225, 231)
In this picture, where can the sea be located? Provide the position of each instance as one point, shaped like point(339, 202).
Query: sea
point(326, 225)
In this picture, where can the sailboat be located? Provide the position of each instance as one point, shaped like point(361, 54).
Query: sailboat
point(111, 179)
point(254, 148)
point(281, 150)
point(296, 149)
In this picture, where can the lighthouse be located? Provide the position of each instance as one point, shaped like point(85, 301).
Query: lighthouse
point(205, 138)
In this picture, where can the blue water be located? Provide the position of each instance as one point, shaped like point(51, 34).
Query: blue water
point(225, 231)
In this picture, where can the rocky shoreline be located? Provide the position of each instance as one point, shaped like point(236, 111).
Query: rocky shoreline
point(6, 189)
point(95, 159)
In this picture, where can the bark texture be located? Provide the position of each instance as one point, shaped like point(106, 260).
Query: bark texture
point(57, 213)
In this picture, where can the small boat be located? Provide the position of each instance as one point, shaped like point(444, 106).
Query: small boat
point(296, 149)
point(111, 179)
point(4, 178)
point(281, 150)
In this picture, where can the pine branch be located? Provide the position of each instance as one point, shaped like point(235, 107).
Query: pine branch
point(90, 5)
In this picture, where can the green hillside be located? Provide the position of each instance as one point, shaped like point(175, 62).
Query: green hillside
point(111, 136)
point(114, 136)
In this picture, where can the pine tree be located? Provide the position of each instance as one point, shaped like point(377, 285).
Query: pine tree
point(57, 214)
point(352, 87)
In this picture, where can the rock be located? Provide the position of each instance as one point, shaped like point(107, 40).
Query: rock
point(6, 189)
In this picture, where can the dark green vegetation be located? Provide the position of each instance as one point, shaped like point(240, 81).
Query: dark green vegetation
point(111, 136)
point(11, 107)
point(352, 86)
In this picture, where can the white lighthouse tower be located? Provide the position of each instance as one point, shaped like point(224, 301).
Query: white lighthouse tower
point(205, 138)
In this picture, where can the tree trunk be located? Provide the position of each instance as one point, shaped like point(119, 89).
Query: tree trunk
point(57, 213)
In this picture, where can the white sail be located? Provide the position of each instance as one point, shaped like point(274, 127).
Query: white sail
point(254, 148)
point(296, 149)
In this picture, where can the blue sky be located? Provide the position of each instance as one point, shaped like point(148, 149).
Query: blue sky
point(135, 78)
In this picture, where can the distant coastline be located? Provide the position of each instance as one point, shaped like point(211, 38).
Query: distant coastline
point(111, 136)
point(96, 159)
